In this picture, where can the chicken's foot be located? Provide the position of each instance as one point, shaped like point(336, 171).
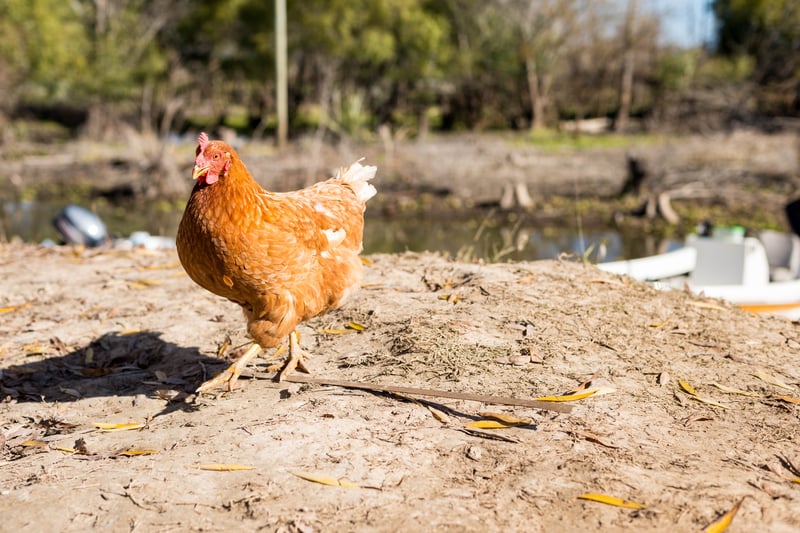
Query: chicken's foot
point(231, 374)
point(296, 356)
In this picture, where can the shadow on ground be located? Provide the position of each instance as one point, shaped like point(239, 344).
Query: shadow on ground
point(112, 365)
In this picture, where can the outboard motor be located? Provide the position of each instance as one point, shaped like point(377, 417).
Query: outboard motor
point(79, 226)
point(793, 214)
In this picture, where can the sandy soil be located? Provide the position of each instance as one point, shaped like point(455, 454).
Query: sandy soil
point(116, 337)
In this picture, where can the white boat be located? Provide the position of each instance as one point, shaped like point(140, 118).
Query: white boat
point(761, 275)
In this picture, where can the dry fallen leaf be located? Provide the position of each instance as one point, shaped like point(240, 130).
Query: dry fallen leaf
point(490, 424)
point(722, 523)
point(325, 480)
point(66, 450)
point(10, 308)
point(132, 453)
point(356, 326)
point(118, 427)
point(611, 500)
point(686, 387)
point(219, 467)
point(693, 395)
point(586, 385)
point(438, 415)
point(31, 443)
point(567, 397)
point(789, 399)
point(70, 392)
point(510, 420)
point(772, 380)
point(597, 390)
point(706, 305)
point(143, 283)
point(595, 438)
point(730, 390)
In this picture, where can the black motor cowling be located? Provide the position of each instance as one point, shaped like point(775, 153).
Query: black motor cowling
point(80, 226)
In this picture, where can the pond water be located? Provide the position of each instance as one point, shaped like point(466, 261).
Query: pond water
point(487, 236)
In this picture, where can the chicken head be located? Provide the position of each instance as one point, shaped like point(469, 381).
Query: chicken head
point(211, 162)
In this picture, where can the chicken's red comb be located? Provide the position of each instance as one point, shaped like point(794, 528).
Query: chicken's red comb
point(203, 141)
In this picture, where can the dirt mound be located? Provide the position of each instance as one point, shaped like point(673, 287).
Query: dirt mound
point(116, 337)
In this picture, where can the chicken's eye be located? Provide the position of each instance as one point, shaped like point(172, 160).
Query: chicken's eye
point(216, 156)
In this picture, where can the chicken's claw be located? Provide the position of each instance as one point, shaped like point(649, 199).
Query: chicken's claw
point(296, 356)
point(230, 374)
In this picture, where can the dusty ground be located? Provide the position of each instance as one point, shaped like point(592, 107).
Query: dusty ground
point(110, 336)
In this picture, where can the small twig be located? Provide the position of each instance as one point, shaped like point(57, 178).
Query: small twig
point(488, 435)
point(497, 400)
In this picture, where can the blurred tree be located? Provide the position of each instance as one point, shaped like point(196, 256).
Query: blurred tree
point(123, 63)
point(628, 64)
point(769, 32)
point(388, 55)
point(43, 51)
point(545, 28)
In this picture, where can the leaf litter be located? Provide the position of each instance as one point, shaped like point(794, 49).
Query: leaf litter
point(523, 472)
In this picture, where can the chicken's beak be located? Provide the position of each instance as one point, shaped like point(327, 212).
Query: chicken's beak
point(200, 171)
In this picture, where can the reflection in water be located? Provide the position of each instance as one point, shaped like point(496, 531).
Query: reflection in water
point(489, 238)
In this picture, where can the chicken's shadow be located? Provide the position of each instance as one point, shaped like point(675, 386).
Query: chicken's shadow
point(112, 365)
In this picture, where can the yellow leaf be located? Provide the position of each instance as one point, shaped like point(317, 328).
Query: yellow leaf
point(66, 450)
point(772, 380)
point(325, 480)
point(10, 308)
point(795, 480)
point(730, 390)
point(693, 394)
point(567, 397)
point(688, 388)
point(132, 453)
point(34, 443)
point(489, 424)
point(34, 348)
point(143, 283)
point(709, 402)
point(118, 427)
point(365, 260)
point(337, 331)
point(511, 420)
point(611, 500)
point(438, 415)
point(789, 399)
point(218, 467)
point(722, 523)
point(356, 326)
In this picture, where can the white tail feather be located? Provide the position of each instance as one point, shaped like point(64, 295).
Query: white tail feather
point(358, 176)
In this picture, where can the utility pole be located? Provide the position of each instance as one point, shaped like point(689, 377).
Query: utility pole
point(281, 98)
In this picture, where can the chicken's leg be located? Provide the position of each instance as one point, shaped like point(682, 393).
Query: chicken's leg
point(231, 374)
point(296, 356)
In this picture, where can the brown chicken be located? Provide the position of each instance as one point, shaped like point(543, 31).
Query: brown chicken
point(284, 257)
